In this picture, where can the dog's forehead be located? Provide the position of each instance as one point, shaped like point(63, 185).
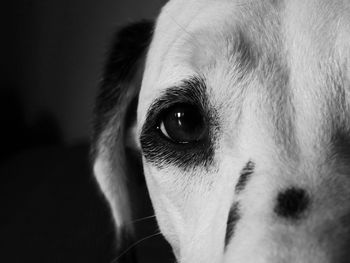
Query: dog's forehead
point(191, 38)
point(276, 37)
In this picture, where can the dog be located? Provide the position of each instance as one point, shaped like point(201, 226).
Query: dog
point(237, 113)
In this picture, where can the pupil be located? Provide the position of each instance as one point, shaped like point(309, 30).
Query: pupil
point(184, 124)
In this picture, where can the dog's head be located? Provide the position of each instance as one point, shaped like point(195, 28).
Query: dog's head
point(242, 127)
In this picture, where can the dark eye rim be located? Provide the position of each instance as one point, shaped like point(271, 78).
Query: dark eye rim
point(165, 111)
point(160, 151)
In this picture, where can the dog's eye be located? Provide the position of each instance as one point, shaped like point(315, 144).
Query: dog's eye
point(183, 123)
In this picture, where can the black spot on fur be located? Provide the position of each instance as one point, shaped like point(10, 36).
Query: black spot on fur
point(232, 220)
point(292, 203)
point(126, 54)
point(244, 177)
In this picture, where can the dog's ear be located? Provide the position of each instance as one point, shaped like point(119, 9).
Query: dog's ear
point(115, 118)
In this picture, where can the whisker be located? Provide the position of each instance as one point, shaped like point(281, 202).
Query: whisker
point(132, 222)
point(142, 219)
point(134, 245)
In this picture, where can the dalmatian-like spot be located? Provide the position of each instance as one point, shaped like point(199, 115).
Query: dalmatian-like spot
point(292, 203)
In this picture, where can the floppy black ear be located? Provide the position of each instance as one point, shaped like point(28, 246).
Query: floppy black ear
point(114, 116)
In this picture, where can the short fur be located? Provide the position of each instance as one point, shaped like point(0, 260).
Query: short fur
point(272, 79)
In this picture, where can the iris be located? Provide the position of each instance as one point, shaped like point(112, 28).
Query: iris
point(183, 123)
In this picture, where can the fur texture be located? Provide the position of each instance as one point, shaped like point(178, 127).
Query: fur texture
point(275, 82)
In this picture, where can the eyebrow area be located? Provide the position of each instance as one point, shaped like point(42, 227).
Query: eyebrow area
point(191, 91)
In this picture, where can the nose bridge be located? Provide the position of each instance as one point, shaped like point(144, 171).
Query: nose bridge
point(318, 235)
point(277, 221)
point(203, 246)
point(304, 218)
point(203, 237)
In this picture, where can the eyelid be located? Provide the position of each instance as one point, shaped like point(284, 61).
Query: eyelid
point(189, 91)
point(160, 150)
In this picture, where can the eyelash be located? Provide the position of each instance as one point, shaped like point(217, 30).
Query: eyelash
point(160, 150)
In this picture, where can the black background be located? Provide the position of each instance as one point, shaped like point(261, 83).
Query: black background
point(52, 56)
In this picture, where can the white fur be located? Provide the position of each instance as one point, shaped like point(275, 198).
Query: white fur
point(311, 40)
point(192, 207)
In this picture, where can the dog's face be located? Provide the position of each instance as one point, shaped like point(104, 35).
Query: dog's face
point(243, 127)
